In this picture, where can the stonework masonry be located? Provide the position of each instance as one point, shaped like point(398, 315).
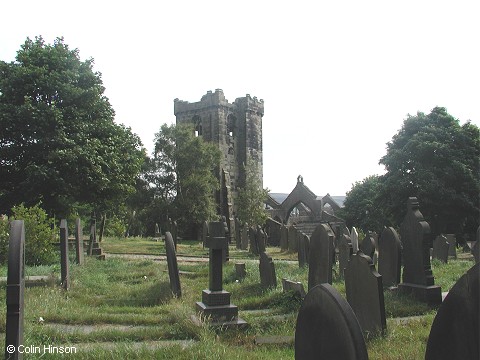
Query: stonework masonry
point(236, 128)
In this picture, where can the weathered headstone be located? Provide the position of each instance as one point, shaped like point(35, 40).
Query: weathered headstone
point(368, 245)
point(303, 247)
point(389, 257)
point(216, 301)
point(417, 279)
point(261, 239)
point(79, 242)
point(64, 265)
point(268, 277)
point(294, 286)
point(441, 248)
point(252, 236)
point(238, 236)
point(15, 290)
point(284, 238)
point(345, 252)
point(244, 235)
point(274, 229)
point(321, 256)
point(327, 328)
point(354, 239)
point(172, 265)
point(365, 294)
point(455, 329)
point(240, 271)
point(452, 250)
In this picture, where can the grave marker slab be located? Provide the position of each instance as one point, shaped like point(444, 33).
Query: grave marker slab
point(418, 279)
point(321, 256)
point(345, 252)
point(389, 257)
point(15, 290)
point(368, 245)
point(268, 277)
point(293, 286)
point(354, 238)
point(172, 265)
point(292, 238)
point(365, 294)
point(65, 276)
point(238, 236)
point(240, 271)
point(244, 234)
point(327, 327)
point(303, 245)
point(252, 235)
point(452, 250)
point(455, 329)
point(79, 242)
point(441, 248)
point(261, 239)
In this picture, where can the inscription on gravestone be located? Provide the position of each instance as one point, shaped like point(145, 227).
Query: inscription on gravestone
point(172, 265)
point(389, 257)
point(64, 254)
point(15, 290)
point(321, 256)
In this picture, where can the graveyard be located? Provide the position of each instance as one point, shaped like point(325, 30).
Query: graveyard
point(126, 306)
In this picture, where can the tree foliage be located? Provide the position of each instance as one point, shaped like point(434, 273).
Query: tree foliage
point(435, 159)
point(59, 143)
point(252, 197)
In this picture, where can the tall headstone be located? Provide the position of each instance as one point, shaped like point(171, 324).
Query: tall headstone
point(94, 248)
point(389, 257)
point(15, 290)
point(321, 255)
point(268, 277)
point(354, 238)
point(261, 240)
point(368, 245)
point(292, 238)
point(417, 279)
point(441, 248)
point(79, 242)
point(345, 252)
point(216, 301)
point(174, 232)
point(365, 294)
point(238, 236)
point(64, 254)
point(252, 235)
point(327, 327)
point(284, 238)
point(274, 228)
point(244, 235)
point(452, 250)
point(455, 329)
point(303, 247)
point(172, 265)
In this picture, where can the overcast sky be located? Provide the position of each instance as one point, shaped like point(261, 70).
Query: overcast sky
point(338, 77)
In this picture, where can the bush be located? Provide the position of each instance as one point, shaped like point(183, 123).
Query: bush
point(115, 227)
point(39, 235)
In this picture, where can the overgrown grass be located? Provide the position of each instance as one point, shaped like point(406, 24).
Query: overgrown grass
point(129, 305)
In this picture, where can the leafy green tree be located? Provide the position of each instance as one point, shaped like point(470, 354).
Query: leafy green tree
point(252, 197)
point(59, 143)
point(436, 159)
point(182, 171)
point(363, 208)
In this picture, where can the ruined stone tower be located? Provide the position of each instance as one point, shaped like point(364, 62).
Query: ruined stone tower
point(236, 128)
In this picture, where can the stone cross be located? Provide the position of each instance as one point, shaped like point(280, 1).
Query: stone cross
point(78, 242)
point(64, 254)
point(321, 256)
point(15, 290)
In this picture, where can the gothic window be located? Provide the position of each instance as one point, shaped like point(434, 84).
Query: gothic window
point(197, 123)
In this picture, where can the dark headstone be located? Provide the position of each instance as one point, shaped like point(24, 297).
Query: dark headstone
point(240, 271)
point(365, 294)
point(15, 290)
point(252, 235)
point(78, 242)
point(345, 252)
point(238, 236)
point(417, 279)
point(455, 329)
point(284, 238)
point(321, 255)
point(327, 328)
point(64, 254)
point(268, 277)
point(368, 245)
point(452, 250)
point(172, 265)
point(244, 235)
point(303, 247)
point(441, 248)
point(294, 286)
point(174, 232)
point(389, 257)
point(261, 240)
point(274, 229)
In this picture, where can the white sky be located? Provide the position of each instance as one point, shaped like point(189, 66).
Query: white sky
point(338, 77)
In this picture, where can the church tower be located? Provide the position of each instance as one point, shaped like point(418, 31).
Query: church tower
point(236, 128)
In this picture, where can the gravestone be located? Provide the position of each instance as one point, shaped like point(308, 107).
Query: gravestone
point(345, 252)
point(441, 248)
point(261, 240)
point(452, 250)
point(455, 329)
point(364, 290)
point(94, 248)
point(244, 235)
point(157, 231)
point(65, 276)
point(15, 290)
point(303, 246)
point(417, 279)
point(215, 302)
point(368, 245)
point(292, 238)
point(354, 239)
point(240, 271)
point(327, 328)
point(252, 235)
point(172, 265)
point(274, 229)
point(78, 242)
point(268, 277)
point(284, 238)
point(294, 286)
point(238, 236)
point(321, 255)
point(204, 233)
point(389, 257)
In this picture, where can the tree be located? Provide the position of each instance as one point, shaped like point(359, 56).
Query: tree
point(182, 171)
point(435, 159)
point(363, 207)
point(252, 197)
point(59, 143)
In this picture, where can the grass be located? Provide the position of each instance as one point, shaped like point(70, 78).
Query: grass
point(129, 304)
